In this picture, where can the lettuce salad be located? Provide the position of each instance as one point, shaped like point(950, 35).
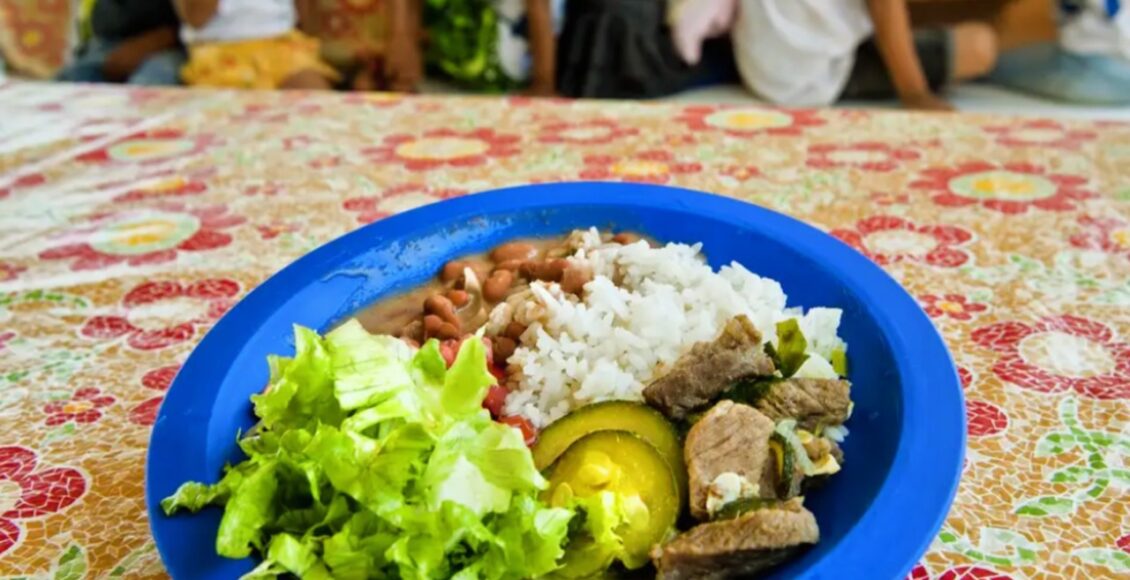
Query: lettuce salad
point(373, 459)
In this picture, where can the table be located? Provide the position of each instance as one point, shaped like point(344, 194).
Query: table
point(131, 219)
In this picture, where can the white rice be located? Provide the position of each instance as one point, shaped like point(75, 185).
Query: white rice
point(612, 342)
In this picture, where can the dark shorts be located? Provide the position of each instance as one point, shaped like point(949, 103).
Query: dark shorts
point(870, 79)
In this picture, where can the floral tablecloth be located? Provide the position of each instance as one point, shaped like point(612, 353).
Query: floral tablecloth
point(130, 220)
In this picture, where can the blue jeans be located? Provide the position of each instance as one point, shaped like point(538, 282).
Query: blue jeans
point(1049, 71)
point(160, 68)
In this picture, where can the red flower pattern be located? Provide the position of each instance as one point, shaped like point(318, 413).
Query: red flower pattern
point(159, 379)
point(30, 493)
point(890, 239)
point(84, 406)
point(868, 156)
point(402, 197)
point(1060, 353)
point(1108, 234)
point(149, 307)
point(954, 306)
point(1011, 188)
point(747, 121)
point(646, 167)
point(23, 182)
point(596, 132)
point(441, 147)
point(148, 236)
point(10, 272)
point(958, 573)
point(1040, 133)
point(741, 172)
point(966, 377)
point(985, 419)
point(149, 147)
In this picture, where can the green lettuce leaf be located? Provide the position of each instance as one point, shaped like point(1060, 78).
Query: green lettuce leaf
point(301, 388)
point(373, 459)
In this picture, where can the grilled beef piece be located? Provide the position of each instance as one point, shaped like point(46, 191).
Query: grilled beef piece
point(710, 368)
point(809, 401)
point(744, 545)
point(730, 438)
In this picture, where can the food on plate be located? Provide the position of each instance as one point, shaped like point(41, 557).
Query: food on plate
point(710, 368)
point(739, 546)
point(632, 473)
point(812, 402)
point(564, 408)
point(638, 419)
point(728, 458)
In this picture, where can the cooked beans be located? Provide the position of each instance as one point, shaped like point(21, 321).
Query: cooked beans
point(504, 348)
point(513, 251)
point(574, 279)
point(548, 271)
point(452, 270)
point(498, 285)
point(625, 238)
point(511, 265)
point(441, 306)
point(514, 330)
point(432, 324)
point(458, 297)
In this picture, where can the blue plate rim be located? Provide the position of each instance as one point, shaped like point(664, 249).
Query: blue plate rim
point(895, 520)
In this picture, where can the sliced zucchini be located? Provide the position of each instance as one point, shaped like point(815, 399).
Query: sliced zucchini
point(642, 420)
point(629, 466)
point(785, 469)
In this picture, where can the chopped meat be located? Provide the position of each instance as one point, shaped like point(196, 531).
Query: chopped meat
point(730, 438)
point(709, 368)
point(737, 547)
point(809, 401)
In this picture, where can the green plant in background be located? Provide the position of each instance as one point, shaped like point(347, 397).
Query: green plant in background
point(1093, 473)
point(463, 43)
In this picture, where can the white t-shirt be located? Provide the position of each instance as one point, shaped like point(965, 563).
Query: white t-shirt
point(799, 52)
point(1095, 27)
point(244, 20)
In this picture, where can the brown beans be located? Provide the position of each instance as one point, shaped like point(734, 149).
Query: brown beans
point(574, 279)
point(514, 330)
point(441, 306)
point(498, 285)
point(548, 271)
point(452, 270)
point(513, 251)
point(448, 331)
point(432, 324)
point(511, 265)
point(625, 238)
point(503, 347)
point(458, 297)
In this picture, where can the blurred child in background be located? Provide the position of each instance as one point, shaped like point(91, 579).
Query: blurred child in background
point(132, 41)
point(252, 44)
point(1090, 64)
point(816, 52)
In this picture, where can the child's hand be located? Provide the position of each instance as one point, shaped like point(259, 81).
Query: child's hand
point(926, 102)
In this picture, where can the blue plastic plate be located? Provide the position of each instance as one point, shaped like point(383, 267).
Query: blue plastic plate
point(876, 517)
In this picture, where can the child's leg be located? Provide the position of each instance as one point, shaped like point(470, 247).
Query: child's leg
point(1049, 71)
point(974, 51)
point(160, 69)
point(963, 52)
